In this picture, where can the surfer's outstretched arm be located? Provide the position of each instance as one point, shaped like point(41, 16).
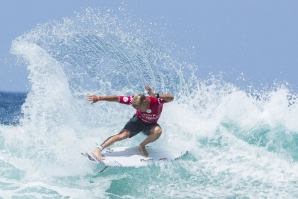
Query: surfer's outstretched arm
point(96, 98)
point(166, 97)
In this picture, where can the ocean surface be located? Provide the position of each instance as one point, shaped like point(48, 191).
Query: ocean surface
point(243, 141)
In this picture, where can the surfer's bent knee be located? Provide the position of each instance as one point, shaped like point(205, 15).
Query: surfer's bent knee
point(156, 130)
point(124, 134)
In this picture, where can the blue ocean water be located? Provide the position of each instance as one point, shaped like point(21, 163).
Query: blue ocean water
point(243, 142)
point(10, 107)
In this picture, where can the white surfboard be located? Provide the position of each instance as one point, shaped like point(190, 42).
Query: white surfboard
point(132, 157)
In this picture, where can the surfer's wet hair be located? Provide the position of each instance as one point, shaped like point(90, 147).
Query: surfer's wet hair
point(138, 100)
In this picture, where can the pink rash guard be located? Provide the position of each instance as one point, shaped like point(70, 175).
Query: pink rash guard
point(153, 112)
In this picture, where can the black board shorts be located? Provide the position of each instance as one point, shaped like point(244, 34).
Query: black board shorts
point(135, 126)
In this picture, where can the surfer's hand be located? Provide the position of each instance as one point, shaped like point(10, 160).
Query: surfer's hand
point(150, 91)
point(93, 98)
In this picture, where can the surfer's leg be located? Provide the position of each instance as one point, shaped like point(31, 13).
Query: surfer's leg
point(132, 127)
point(108, 142)
point(155, 133)
point(118, 137)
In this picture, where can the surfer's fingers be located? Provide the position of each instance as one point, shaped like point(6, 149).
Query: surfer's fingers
point(89, 97)
point(148, 88)
point(92, 98)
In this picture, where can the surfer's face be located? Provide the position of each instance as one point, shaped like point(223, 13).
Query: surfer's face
point(144, 106)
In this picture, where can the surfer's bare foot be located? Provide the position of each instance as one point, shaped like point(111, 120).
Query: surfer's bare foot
point(96, 153)
point(143, 150)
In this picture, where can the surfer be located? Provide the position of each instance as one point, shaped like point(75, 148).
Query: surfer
point(148, 111)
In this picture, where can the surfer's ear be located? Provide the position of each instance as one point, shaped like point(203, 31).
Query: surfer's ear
point(145, 101)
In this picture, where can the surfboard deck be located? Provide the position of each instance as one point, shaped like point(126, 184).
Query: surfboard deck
point(132, 157)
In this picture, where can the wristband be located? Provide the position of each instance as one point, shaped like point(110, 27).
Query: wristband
point(98, 98)
point(157, 95)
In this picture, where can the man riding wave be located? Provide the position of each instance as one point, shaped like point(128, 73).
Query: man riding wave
point(148, 111)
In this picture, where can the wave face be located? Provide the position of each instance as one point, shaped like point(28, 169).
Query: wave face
point(242, 143)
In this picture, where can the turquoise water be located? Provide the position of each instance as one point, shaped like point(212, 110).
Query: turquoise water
point(243, 142)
